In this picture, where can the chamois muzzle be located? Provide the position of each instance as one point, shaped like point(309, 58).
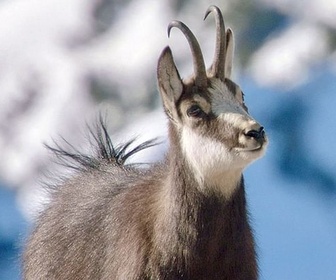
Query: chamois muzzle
point(254, 138)
point(256, 134)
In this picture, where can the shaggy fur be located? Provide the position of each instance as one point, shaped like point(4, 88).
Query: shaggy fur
point(182, 218)
point(116, 221)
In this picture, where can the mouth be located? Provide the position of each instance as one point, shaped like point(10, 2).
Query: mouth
point(255, 149)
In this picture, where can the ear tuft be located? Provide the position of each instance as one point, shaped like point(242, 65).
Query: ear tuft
point(170, 83)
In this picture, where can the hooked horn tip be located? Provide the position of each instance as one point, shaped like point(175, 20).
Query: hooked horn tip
point(212, 8)
point(229, 35)
point(208, 11)
point(172, 24)
point(168, 30)
point(199, 67)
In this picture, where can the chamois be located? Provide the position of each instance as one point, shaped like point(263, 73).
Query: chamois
point(182, 218)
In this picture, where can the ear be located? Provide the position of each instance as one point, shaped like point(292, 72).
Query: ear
point(170, 83)
point(229, 53)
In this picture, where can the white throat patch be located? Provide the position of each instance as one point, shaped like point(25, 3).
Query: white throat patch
point(211, 161)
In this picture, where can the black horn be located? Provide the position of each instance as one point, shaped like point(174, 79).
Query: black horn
point(198, 61)
point(218, 65)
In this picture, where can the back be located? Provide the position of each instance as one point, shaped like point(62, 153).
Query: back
point(74, 231)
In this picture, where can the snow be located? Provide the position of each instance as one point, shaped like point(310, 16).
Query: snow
point(285, 60)
point(50, 51)
point(319, 11)
point(39, 80)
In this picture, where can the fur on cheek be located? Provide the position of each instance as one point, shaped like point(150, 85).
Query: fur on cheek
point(205, 155)
point(210, 156)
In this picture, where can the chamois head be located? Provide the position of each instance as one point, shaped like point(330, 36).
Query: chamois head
point(207, 110)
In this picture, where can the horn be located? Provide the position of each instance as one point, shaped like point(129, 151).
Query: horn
point(218, 65)
point(229, 53)
point(198, 61)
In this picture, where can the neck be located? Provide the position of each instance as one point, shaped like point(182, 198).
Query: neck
point(223, 183)
point(210, 232)
point(186, 173)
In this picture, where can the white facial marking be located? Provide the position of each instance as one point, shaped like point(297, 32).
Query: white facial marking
point(223, 100)
point(236, 120)
point(212, 162)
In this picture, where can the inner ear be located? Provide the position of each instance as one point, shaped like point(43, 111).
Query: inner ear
point(170, 83)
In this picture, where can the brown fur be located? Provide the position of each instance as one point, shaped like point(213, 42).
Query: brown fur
point(118, 221)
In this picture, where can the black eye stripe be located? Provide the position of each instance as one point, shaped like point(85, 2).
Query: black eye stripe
point(234, 88)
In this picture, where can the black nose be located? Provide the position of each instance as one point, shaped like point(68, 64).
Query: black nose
point(256, 134)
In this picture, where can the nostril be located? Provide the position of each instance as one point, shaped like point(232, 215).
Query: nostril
point(253, 133)
point(262, 132)
point(257, 134)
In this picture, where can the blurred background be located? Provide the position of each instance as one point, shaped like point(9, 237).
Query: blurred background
point(62, 62)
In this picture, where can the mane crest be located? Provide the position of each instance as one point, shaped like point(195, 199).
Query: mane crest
point(105, 152)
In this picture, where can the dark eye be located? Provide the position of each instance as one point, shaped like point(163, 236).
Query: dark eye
point(196, 112)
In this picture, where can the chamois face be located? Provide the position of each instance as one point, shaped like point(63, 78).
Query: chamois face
point(217, 135)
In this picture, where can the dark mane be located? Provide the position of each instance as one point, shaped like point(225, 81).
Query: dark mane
point(104, 151)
